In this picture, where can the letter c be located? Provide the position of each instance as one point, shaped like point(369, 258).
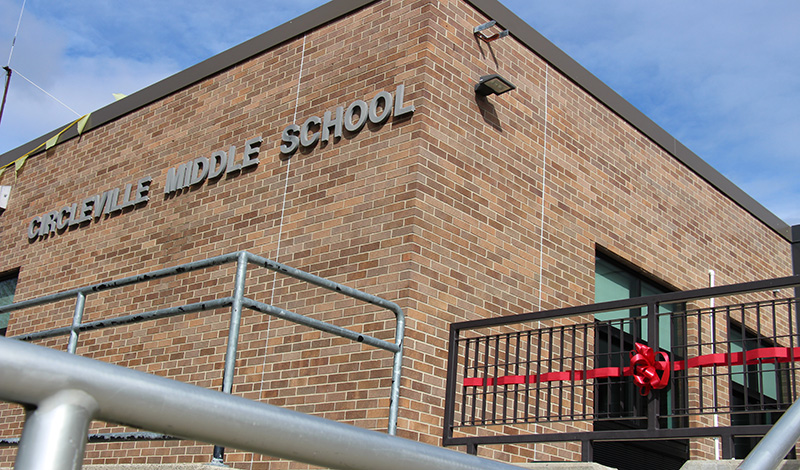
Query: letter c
point(305, 139)
point(33, 228)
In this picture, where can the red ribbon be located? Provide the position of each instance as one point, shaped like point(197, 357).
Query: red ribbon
point(753, 356)
point(645, 368)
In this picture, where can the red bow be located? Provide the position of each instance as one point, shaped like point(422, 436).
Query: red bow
point(645, 366)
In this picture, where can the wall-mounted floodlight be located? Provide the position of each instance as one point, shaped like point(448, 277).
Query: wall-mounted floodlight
point(493, 84)
point(5, 193)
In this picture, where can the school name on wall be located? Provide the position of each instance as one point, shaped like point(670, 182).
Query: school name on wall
point(198, 170)
point(135, 195)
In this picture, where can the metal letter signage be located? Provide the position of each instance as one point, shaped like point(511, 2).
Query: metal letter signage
point(197, 170)
point(105, 203)
point(316, 129)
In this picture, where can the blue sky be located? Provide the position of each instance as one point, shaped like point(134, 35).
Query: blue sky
point(723, 76)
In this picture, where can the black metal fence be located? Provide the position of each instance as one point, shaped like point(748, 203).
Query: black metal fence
point(659, 367)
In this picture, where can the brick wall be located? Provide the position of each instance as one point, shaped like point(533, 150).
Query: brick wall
point(468, 208)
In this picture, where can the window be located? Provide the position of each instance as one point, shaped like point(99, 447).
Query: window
point(617, 331)
point(8, 284)
point(613, 281)
point(618, 404)
point(757, 390)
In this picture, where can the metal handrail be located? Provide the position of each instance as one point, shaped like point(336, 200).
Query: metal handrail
point(654, 430)
point(773, 447)
point(635, 302)
point(69, 391)
point(236, 302)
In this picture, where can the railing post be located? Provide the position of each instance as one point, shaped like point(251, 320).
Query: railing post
point(796, 271)
point(587, 450)
point(450, 386)
point(397, 372)
point(727, 446)
point(54, 437)
point(77, 319)
point(654, 399)
point(233, 338)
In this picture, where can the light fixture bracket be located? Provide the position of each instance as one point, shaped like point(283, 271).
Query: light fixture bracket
point(478, 31)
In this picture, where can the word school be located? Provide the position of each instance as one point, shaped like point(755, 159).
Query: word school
point(377, 111)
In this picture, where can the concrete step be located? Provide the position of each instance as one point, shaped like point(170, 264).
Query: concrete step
point(196, 466)
point(172, 466)
point(563, 466)
point(690, 465)
point(147, 466)
point(731, 465)
point(206, 466)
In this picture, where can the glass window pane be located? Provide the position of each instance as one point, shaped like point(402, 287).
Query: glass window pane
point(613, 283)
point(761, 378)
point(7, 288)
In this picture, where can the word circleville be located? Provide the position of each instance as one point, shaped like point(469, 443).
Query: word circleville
point(351, 119)
point(92, 207)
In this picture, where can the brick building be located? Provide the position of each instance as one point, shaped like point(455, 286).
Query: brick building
point(350, 143)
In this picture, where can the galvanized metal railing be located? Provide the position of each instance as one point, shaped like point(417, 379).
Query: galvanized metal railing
point(236, 302)
point(69, 391)
point(779, 441)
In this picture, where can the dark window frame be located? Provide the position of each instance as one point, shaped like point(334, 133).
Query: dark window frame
point(5, 276)
point(630, 402)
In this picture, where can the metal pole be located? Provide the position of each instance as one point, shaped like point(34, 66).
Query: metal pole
point(233, 339)
point(30, 374)
point(450, 385)
point(653, 399)
point(126, 281)
point(5, 90)
point(77, 318)
point(397, 372)
point(54, 437)
point(319, 325)
point(128, 319)
point(236, 320)
point(774, 446)
point(795, 271)
point(397, 365)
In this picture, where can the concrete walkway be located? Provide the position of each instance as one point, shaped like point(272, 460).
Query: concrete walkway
point(205, 466)
point(690, 465)
point(563, 466)
point(731, 465)
point(174, 466)
point(146, 466)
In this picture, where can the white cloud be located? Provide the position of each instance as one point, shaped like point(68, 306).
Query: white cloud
point(718, 75)
point(85, 85)
point(83, 55)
